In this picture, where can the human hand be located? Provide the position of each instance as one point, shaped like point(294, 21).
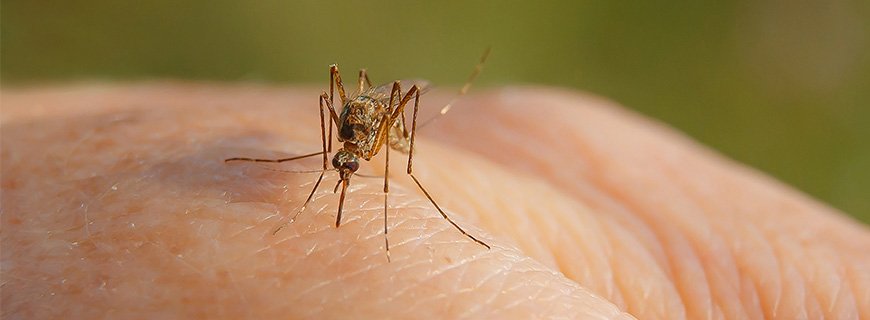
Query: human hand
point(116, 203)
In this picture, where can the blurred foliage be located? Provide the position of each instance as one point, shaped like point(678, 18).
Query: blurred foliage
point(783, 85)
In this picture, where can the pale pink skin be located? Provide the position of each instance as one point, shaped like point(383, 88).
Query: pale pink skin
point(116, 204)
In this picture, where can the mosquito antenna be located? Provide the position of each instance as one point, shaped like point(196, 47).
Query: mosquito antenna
point(463, 91)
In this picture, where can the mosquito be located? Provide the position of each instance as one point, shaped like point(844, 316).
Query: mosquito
point(369, 119)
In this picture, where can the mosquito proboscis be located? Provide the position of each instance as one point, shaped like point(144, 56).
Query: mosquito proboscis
point(370, 118)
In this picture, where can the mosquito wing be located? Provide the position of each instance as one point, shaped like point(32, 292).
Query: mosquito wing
point(382, 92)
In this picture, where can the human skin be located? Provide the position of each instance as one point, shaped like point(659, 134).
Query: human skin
point(116, 203)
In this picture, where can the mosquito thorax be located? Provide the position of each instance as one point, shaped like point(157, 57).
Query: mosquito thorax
point(356, 117)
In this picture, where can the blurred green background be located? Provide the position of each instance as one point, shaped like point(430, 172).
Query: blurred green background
point(782, 85)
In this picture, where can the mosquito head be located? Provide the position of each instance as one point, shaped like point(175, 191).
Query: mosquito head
point(346, 163)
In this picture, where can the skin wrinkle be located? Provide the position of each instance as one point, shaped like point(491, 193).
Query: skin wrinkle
point(503, 136)
point(540, 292)
point(791, 280)
point(751, 285)
point(861, 277)
point(528, 194)
point(805, 274)
point(811, 299)
point(630, 284)
point(496, 114)
point(516, 203)
point(815, 298)
point(747, 241)
point(713, 245)
point(722, 224)
point(505, 221)
point(843, 298)
point(690, 230)
point(764, 241)
point(794, 292)
point(839, 296)
point(693, 282)
point(459, 267)
point(664, 237)
point(444, 229)
point(599, 260)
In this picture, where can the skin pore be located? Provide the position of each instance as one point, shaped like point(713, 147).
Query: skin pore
point(116, 203)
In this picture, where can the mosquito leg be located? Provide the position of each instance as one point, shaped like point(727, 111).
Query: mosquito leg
point(333, 116)
point(402, 120)
point(465, 87)
point(273, 160)
point(397, 116)
point(445, 215)
point(364, 81)
point(323, 129)
point(386, 196)
point(319, 179)
point(405, 133)
point(410, 171)
point(329, 140)
point(395, 95)
point(304, 205)
point(335, 81)
point(413, 136)
point(329, 146)
point(401, 107)
point(334, 120)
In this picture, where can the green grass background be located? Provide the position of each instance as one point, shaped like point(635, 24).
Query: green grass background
point(782, 85)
